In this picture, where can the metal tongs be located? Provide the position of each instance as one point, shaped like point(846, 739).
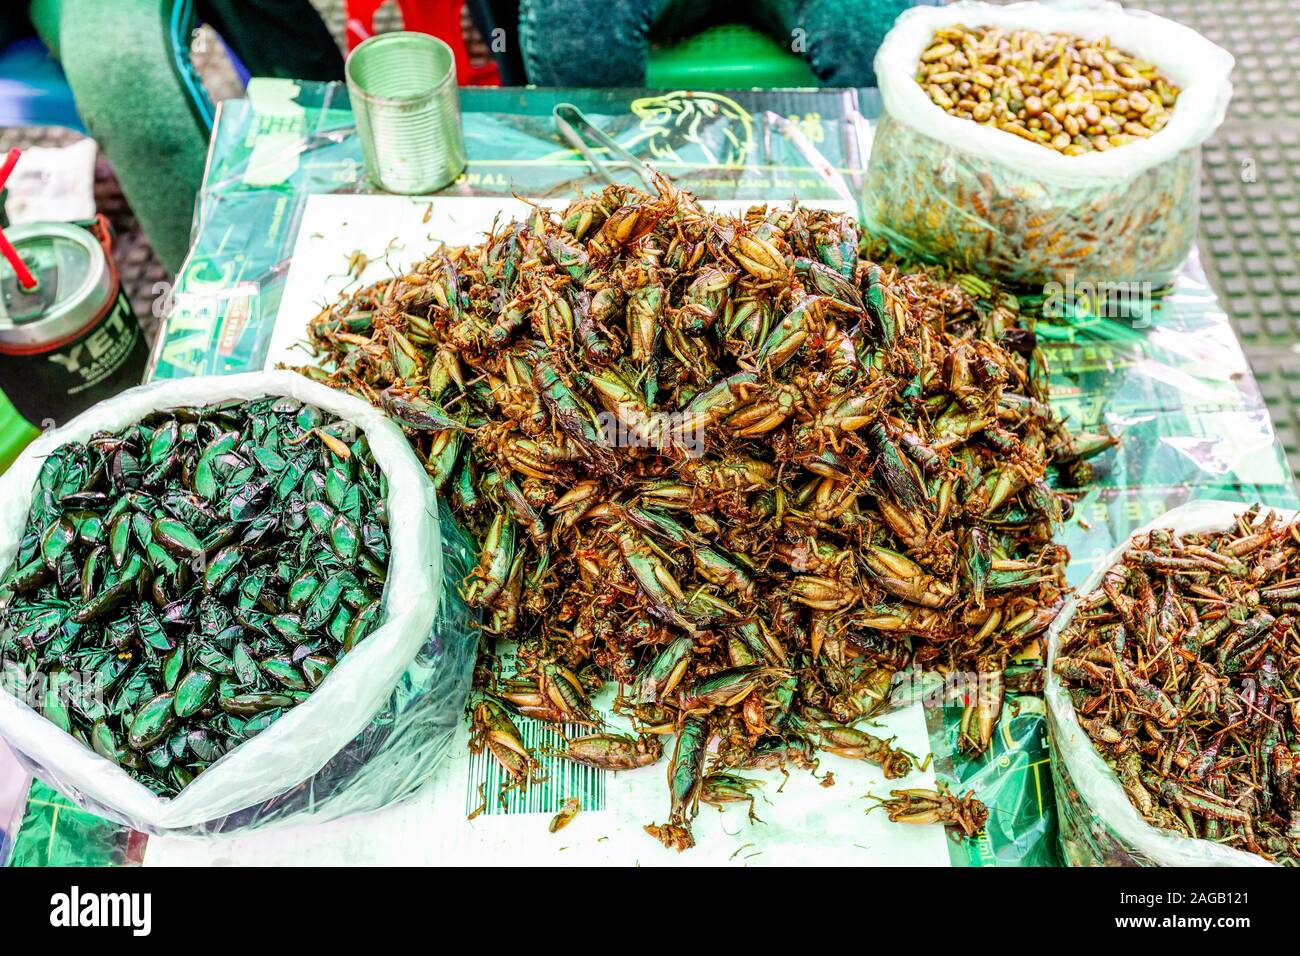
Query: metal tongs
point(581, 133)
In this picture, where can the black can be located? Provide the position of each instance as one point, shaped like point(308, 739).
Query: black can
point(74, 339)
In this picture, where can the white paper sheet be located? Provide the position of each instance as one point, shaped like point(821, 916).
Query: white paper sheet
point(806, 823)
point(53, 184)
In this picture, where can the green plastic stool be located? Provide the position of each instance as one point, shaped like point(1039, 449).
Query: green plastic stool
point(15, 433)
point(729, 56)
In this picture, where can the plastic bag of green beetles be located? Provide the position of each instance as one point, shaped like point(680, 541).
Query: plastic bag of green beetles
point(369, 733)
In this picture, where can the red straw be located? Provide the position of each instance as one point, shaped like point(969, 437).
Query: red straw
point(8, 166)
point(25, 277)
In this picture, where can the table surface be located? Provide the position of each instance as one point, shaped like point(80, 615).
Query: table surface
point(1174, 380)
point(1250, 191)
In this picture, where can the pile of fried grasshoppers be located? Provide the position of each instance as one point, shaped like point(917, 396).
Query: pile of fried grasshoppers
point(184, 582)
point(1182, 669)
point(726, 464)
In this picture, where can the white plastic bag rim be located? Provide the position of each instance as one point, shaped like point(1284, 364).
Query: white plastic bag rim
point(1192, 62)
point(298, 744)
point(1099, 788)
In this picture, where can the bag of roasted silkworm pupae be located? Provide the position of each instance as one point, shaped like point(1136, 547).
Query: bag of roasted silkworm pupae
point(228, 602)
point(1171, 703)
point(1044, 143)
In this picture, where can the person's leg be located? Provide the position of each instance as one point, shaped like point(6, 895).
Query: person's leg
point(838, 38)
point(585, 42)
point(276, 37)
point(119, 59)
point(503, 15)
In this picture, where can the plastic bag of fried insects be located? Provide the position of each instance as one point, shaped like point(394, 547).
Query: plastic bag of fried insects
point(1039, 143)
point(722, 464)
point(1172, 734)
point(226, 602)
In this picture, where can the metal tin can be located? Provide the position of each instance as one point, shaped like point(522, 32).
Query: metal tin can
point(403, 91)
point(74, 339)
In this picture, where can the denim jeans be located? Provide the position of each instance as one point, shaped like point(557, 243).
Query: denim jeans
point(605, 42)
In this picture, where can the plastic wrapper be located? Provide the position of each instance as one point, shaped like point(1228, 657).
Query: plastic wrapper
point(374, 729)
point(992, 202)
point(55, 832)
point(1099, 825)
point(13, 797)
